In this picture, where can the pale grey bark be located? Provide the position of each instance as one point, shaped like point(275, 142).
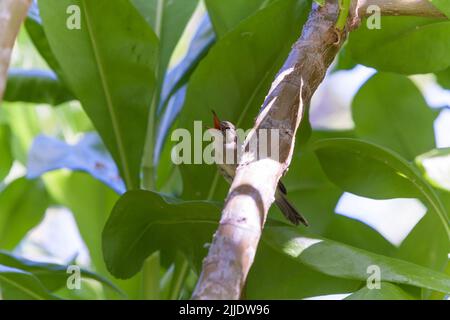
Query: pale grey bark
point(419, 8)
point(12, 14)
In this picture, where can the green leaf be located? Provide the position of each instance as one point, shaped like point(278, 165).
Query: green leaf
point(6, 158)
point(432, 252)
point(388, 291)
point(35, 30)
point(442, 5)
point(313, 194)
point(285, 278)
point(227, 15)
point(436, 167)
point(110, 69)
point(415, 45)
point(20, 285)
point(347, 262)
point(36, 86)
point(371, 171)
point(22, 206)
point(52, 276)
point(234, 79)
point(143, 222)
point(389, 110)
point(168, 19)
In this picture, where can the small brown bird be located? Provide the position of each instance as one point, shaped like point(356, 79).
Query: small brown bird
point(228, 170)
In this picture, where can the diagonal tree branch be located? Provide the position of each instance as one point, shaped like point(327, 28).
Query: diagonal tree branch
point(401, 8)
point(252, 191)
point(251, 194)
point(12, 14)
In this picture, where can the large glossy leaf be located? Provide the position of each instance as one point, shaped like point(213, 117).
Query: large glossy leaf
point(371, 171)
point(401, 122)
point(36, 86)
point(415, 45)
point(347, 262)
point(234, 79)
point(168, 19)
point(285, 278)
point(143, 222)
point(22, 206)
point(442, 5)
point(226, 15)
point(311, 192)
point(21, 285)
point(388, 291)
point(111, 70)
point(52, 276)
point(6, 158)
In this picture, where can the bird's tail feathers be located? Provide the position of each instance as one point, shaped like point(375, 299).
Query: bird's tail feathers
point(289, 210)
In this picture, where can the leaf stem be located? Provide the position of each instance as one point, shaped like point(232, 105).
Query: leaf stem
point(180, 273)
point(148, 160)
point(151, 277)
point(344, 9)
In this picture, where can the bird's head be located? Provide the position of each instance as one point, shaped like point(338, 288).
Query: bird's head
point(227, 129)
point(222, 125)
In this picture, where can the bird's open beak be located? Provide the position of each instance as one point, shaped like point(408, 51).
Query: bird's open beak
point(216, 121)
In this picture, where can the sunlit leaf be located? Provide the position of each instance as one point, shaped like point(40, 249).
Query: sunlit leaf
point(401, 122)
point(415, 45)
point(371, 171)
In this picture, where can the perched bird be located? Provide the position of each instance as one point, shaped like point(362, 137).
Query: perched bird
point(228, 170)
